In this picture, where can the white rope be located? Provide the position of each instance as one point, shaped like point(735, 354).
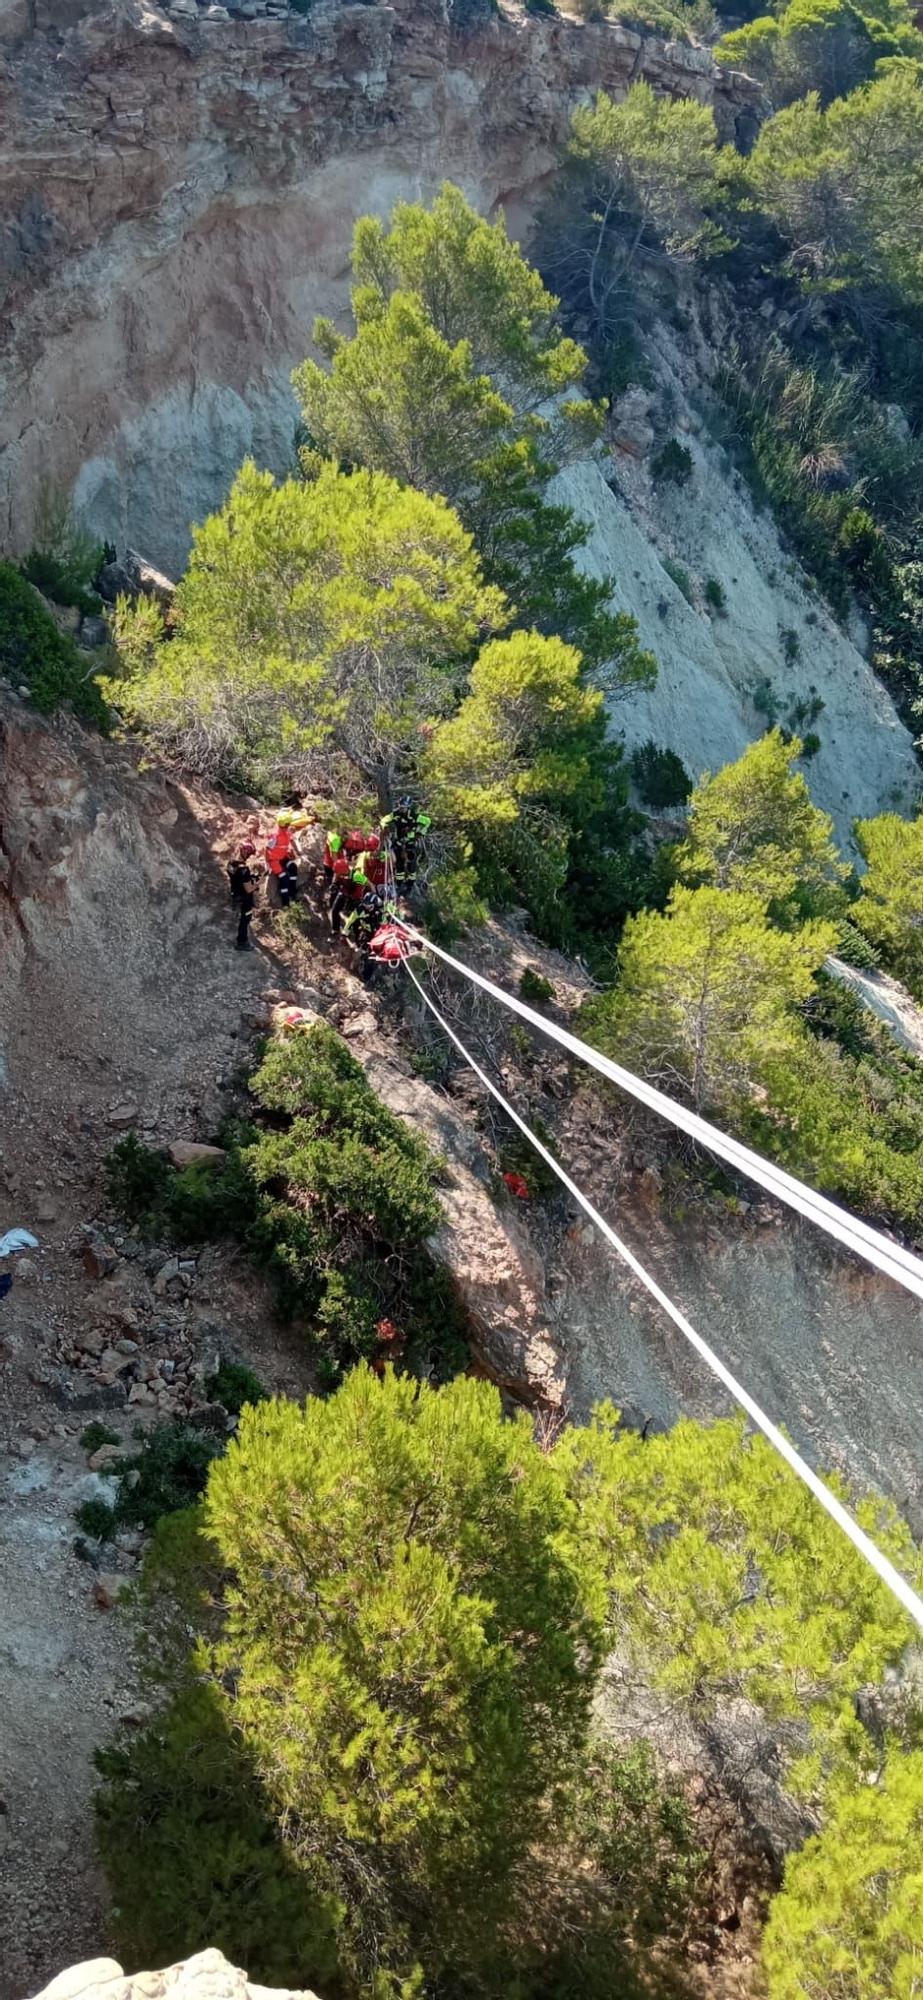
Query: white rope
point(890, 1576)
point(871, 1244)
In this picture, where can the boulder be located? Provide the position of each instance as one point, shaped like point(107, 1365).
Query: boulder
point(94, 631)
point(99, 1258)
point(146, 581)
point(114, 581)
point(193, 1152)
point(123, 1115)
point(206, 1976)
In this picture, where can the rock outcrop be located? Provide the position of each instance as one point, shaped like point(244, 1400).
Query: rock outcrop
point(177, 194)
point(208, 1976)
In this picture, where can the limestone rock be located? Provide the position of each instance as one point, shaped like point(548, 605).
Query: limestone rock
point(123, 1115)
point(191, 1153)
point(207, 1976)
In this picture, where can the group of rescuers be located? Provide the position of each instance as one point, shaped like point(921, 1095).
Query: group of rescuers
point(364, 876)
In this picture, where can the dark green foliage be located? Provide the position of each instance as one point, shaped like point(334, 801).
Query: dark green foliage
point(195, 1859)
point(540, 7)
point(855, 947)
point(171, 1464)
point(791, 644)
point(96, 1519)
point(660, 775)
point(518, 1157)
point(810, 744)
point(639, 1832)
point(348, 1202)
point(97, 1434)
point(535, 987)
point(137, 1179)
point(673, 464)
point(33, 652)
point(196, 1204)
point(679, 576)
point(55, 580)
point(715, 594)
point(234, 1384)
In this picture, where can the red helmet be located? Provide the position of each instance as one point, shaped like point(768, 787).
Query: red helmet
point(354, 842)
point(373, 843)
point(246, 849)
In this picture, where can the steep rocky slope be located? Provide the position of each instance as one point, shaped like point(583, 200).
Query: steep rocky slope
point(774, 641)
point(177, 194)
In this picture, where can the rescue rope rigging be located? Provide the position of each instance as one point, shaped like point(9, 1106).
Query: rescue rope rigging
point(910, 1274)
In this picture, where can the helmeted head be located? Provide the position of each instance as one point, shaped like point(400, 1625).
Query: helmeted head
point(245, 850)
point(285, 817)
point(406, 804)
point(373, 844)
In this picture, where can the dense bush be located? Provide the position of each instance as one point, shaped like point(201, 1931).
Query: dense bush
point(848, 1920)
point(168, 1473)
point(660, 775)
point(535, 987)
point(330, 1192)
point(234, 1384)
point(33, 652)
point(672, 464)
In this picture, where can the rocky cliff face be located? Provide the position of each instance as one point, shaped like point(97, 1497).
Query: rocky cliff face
point(178, 185)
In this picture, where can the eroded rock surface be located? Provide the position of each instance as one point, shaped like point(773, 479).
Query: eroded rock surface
point(177, 195)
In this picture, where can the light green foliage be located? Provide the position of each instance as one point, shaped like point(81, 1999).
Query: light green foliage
point(456, 345)
point(752, 827)
point(708, 994)
point(519, 734)
point(848, 1923)
point(413, 1640)
point(727, 1579)
point(844, 185)
point(829, 46)
point(321, 615)
point(638, 177)
point(474, 285)
point(890, 907)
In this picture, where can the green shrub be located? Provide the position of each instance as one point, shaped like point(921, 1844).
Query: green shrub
point(453, 903)
point(810, 744)
point(234, 1384)
point(194, 1858)
point(517, 1156)
point(661, 777)
point(137, 1178)
point(54, 580)
point(680, 577)
point(715, 594)
point(168, 1470)
point(855, 947)
point(766, 701)
point(847, 1920)
point(97, 1519)
point(97, 1434)
point(791, 644)
point(33, 652)
point(535, 987)
point(540, 7)
point(172, 1466)
point(673, 463)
